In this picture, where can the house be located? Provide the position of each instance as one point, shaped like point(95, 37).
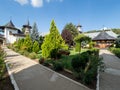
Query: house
point(103, 39)
point(9, 33)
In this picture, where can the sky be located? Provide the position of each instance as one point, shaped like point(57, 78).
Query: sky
point(91, 14)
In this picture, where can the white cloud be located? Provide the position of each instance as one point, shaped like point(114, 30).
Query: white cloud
point(53, 1)
point(22, 2)
point(37, 3)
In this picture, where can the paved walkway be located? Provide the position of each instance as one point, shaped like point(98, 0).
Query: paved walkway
point(110, 79)
point(32, 76)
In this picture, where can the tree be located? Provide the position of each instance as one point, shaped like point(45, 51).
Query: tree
point(34, 33)
point(117, 42)
point(27, 45)
point(79, 39)
point(35, 47)
point(72, 28)
point(67, 36)
point(53, 41)
point(116, 30)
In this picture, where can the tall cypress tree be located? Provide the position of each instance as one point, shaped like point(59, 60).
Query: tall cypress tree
point(52, 41)
point(34, 33)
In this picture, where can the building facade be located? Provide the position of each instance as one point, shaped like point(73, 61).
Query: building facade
point(9, 33)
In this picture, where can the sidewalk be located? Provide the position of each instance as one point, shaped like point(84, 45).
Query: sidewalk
point(110, 79)
point(32, 76)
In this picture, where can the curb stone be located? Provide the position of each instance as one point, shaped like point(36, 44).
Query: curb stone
point(12, 77)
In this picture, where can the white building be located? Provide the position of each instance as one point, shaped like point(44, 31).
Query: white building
point(9, 33)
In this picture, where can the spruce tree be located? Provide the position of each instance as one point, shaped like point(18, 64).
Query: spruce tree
point(34, 33)
point(53, 41)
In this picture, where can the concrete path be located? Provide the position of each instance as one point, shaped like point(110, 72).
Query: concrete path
point(32, 76)
point(110, 79)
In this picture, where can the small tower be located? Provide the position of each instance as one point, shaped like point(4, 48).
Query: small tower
point(27, 28)
point(79, 28)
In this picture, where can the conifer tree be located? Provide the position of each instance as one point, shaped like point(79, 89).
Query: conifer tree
point(35, 47)
point(28, 43)
point(53, 41)
point(34, 33)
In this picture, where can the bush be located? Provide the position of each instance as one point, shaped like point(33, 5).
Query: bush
point(64, 52)
point(35, 47)
point(2, 64)
point(41, 60)
point(116, 51)
point(57, 66)
point(22, 52)
point(79, 62)
point(32, 55)
point(26, 53)
point(86, 64)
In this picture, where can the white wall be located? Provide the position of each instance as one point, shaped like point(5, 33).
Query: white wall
point(11, 38)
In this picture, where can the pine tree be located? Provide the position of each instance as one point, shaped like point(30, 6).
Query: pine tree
point(53, 41)
point(35, 47)
point(34, 33)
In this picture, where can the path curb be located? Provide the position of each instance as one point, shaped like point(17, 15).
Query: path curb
point(98, 79)
point(12, 78)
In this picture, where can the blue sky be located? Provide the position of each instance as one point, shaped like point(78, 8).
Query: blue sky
point(91, 14)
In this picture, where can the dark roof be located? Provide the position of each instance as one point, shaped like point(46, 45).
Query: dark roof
point(20, 32)
point(27, 25)
point(9, 25)
point(103, 36)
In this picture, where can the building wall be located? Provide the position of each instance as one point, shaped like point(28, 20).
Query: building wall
point(9, 37)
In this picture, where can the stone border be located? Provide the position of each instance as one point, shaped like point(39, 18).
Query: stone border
point(12, 77)
point(98, 79)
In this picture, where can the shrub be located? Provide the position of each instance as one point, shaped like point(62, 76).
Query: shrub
point(57, 66)
point(116, 51)
point(2, 64)
point(41, 60)
point(86, 64)
point(26, 53)
point(35, 47)
point(64, 52)
point(22, 52)
point(79, 62)
point(32, 55)
point(53, 53)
